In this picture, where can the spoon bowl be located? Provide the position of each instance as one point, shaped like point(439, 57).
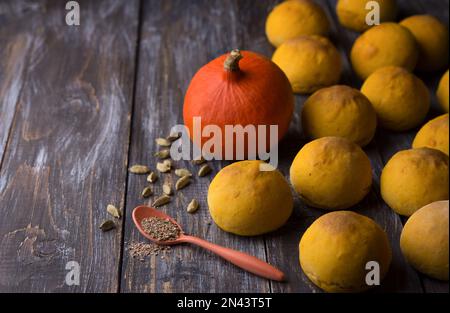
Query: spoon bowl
point(141, 212)
point(240, 259)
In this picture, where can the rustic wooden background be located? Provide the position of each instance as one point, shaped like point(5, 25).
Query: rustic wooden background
point(79, 104)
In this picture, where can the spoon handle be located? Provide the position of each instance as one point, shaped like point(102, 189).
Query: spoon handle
point(240, 259)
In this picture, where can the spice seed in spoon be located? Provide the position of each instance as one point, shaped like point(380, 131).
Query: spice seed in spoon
point(204, 170)
point(164, 199)
point(147, 192)
point(139, 169)
point(180, 172)
point(160, 229)
point(163, 142)
point(182, 182)
point(167, 190)
point(111, 209)
point(162, 154)
point(192, 206)
point(107, 225)
point(152, 177)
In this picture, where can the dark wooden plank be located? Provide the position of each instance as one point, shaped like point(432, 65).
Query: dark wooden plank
point(67, 153)
point(13, 56)
point(177, 38)
point(387, 143)
point(390, 142)
point(283, 245)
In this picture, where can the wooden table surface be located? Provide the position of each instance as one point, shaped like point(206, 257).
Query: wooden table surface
point(78, 105)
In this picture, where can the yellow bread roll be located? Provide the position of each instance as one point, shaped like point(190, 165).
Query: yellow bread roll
point(432, 38)
point(331, 173)
point(339, 111)
point(433, 134)
point(413, 178)
point(352, 13)
point(424, 240)
point(400, 99)
point(387, 44)
point(294, 18)
point(335, 249)
point(309, 62)
point(442, 92)
point(246, 201)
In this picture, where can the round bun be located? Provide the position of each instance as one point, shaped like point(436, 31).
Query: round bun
point(247, 201)
point(339, 111)
point(424, 240)
point(387, 44)
point(336, 248)
point(294, 18)
point(331, 173)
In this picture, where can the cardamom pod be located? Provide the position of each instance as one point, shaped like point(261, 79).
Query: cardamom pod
point(204, 170)
point(180, 172)
point(164, 199)
point(147, 192)
point(139, 169)
point(111, 209)
point(199, 161)
point(163, 142)
point(167, 190)
point(162, 154)
point(173, 136)
point(182, 182)
point(168, 163)
point(162, 167)
point(107, 225)
point(152, 177)
point(192, 206)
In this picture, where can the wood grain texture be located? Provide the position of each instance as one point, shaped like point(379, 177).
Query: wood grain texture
point(13, 58)
point(402, 276)
point(177, 38)
point(80, 104)
point(67, 152)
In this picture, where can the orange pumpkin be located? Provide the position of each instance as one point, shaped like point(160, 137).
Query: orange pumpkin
point(239, 88)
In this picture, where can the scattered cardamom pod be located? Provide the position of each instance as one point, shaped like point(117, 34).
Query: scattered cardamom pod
point(152, 177)
point(180, 172)
point(162, 154)
point(139, 169)
point(111, 209)
point(173, 136)
point(182, 182)
point(198, 161)
point(204, 170)
point(107, 225)
point(168, 163)
point(192, 206)
point(167, 190)
point(162, 167)
point(163, 142)
point(147, 192)
point(164, 199)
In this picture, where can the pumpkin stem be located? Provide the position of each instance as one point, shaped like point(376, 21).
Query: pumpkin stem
point(232, 61)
